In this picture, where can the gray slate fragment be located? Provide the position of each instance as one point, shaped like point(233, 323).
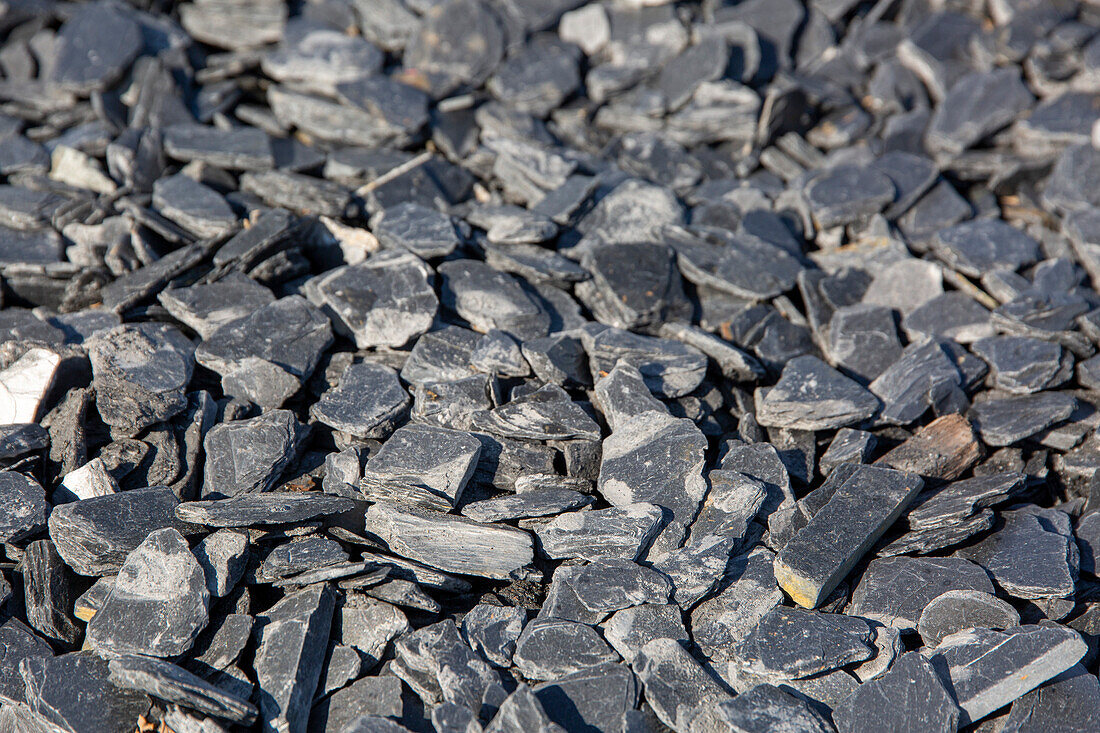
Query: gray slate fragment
point(206, 306)
point(159, 602)
point(550, 649)
point(676, 686)
point(259, 509)
point(197, 208)
point(17, 642)
point(23, 507)
point(957, 610)
point(722, 621)
point(452, 544)
point(439, 667)
point(985, 670)
point(811, 395)
point(537, 503)
point(422, 464)
point(976, 247)
point(1006, 420)
point(908, 697)
point(489, 299)
point(952, 315)
point(610, 584)
point(622, 532)
point(822, 553)
point(796, 643)
point(94, 536)
point(628, 630)
point(764, 707)
point(174, 684)
point(368, 402)
point(895, 590)
point(291, 644)
point(669, 368)
point(493, 630)
point(622, 393)
point(863, 340)
point(848, 446)
point(1070, 702)
point(425, 232)
point(924, 376)
point(49, 593)
point(246, 456)
point(522, 712)
point(442, 355)
point(239, 148)
point(1022, 365)
point(94, 48)
point(73, 693)
point(223, 556)
point(976, 106)
point(847, 194)
point(140, 372)
point(591, 699)
point(545, 414)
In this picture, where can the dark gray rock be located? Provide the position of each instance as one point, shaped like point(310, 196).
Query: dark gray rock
point(796, 643)
point(492, 631)
point(424, 465)
point(223, 556)
point(608, 584)
point(291, 644)
point(976, 106)
point(73, 693)
point(439, 667)
point(811, 395)
point(620, 532)
point(952, 315)
point(1022, 365)
point(205, 307)
point(628, 630)
point(908, 697)
point(986, 670)
point(957, 610)
point(1068, 702)
point(94, 536)
point(261, 509)
point(848, 194)
point(976, 247)
point(24, 507)
point(551, 649)
point(721, 622)
point(197, 208)
point(94, 48)
point(522, 711)
point(764, 707)
point(240, 148)
point(676, 686)
point(591, 699)
point(17, 642)
point(545, 414)
point(159, 602)
point(863, 340)
point(1005, 420)
point(537, 503)
point(747, 267)
point(847, 446)
point(633, 284)
point(344, 407)
point(857, 514)
point(174, 684)
point(49, 593)
point(442, 355)
point(669, 368)
point(425, 232)
point(246, 456)
point(895, 590)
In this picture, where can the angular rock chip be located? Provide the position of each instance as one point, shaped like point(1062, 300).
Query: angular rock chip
point(1003, 421)
point(676, 686)
point(822, 553)
point(206, 307)
point(1022, 365)
point(425, 232)
point(452, 544)
point(493, 630)
point(908, 697)
point(24, 385)
point(628, 630)
point(539, 503)
point(95, 47)
point(246, 456)
point(49, 593)
point(439, 667)
point(959, 610)
point(197, 208)
point(796, 643)
point(1069, 702)
point(811, 395)
point(764, 707)
point(617, 532)
point(159, 602)
point(551, 649)
point(848, 194)
point(609, 584)
point(669, 368)
point(545, 414)
point(174, 684)
point(23, 507)
point(73, 692)
point(488, 300)
point(368, 402)
point(424, 465)
point(977, 105)
point(260, 509)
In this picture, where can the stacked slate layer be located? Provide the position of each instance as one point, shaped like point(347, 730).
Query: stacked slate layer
point(484, 366)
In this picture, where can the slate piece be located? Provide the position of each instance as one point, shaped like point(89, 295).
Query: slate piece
point(18, 642)
point(618, 532)
point(261, 509)
point(291, 643)
point(223, 555)
point(24, 505)
point(552, 648)
point(545, 414)
point(174, 684)
point(747, 267)
point(895, 590)
point(1030, 555)
point(386, 300)
point(246, 456)
point(1067, 702)
point(629, 629)
point(452, 544)
point(676, 686)
point(538, 503)
point(140, 373)
point(439, 667)
point(634, 284)
point(73, 692)
point(1005, 420)
point(425, 232)
point(976, 106)
point(957, 610)
point(847, 194)
point(986, 669)
point(205, 307)
point(422, 464)
point(94, 536)
point(669, 368)
point(764, 707)
point(810, 395)
point(94, 48)
point(592, 699)
point(493, 630)
point(961, 499)
point(197, 208)
point(952, 315)
point(49, 592)
point(908, 697)
point(488, 299)
point(796, 643)
point(344, 407)
point(848, 446)
point(976, 247)
point(25, 383)
point(862, 508)
point(1022, 365)
point(609, 584)
point(242, 148)
point(442, 355)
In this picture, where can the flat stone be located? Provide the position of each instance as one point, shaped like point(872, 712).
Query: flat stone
point(174, 684)
point(259, 509)
point(49, 593)
point(764, 707)
point(498, 353)
point(1006, 420)
point(439, 667)
point(291, 645)
point(141, 373)
point(607, 585)
point(1030, 555)
point(94, 536)
point(810, 395)
point(442, 355)
point(986, 670)
point(895, 590)
point(425, 232)
point(73, 692)
point(386, 300)
point(24, 385)
point(205, 307)
point(241, 148)
point(905, 285)
point(848, 194)
point(952, 315)
point(489, 299)
point(159, 602)
point(551, 649)
point(368, 626)
point(344, 407)
point(696, 568)
point(18, 439)
point(452, 544)
point(451, 404)
point(908, 697)
point(522, 711)
point(669, 368)
point(747, 267)
point(223, 556)
point(94, 48)
point(1022, 365)
point(17, 642)
point(545, 414)
point(976, 106)
point(24, 507)
point(424, 465)
point(634, 284)
point(848, 446)
point(1068, 702)
point(958, 610)
point(719, 623)
point(959, 500)
point(432, 49)
point(591, 699)
point(676, 686)
point(197, 208)
point(246, 456)
point(539, 503)
point(322, 58)
point(628, 630)
point(492, 631)
point(823, 552)
point(732, 501)
point(617, 532)
point(863, 340)
point(796, 643)
point(379, 696)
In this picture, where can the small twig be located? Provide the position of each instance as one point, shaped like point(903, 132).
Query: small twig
point(394, 173)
